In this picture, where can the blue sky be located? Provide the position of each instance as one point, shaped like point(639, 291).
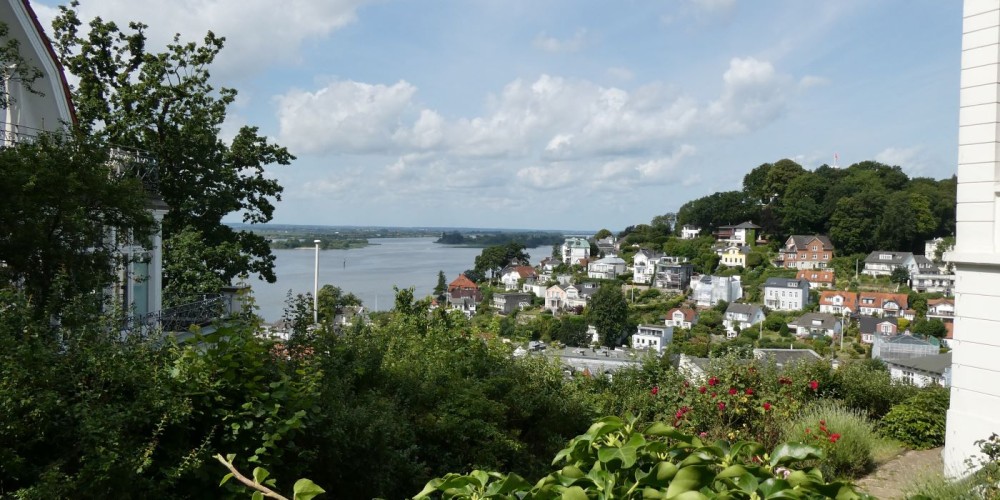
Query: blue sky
point(567, 113)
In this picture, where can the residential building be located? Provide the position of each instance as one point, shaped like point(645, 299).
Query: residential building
point(941, 309)
point(652, 337)
point(47, 107)
point(883, 263)
point(786, 294)
point(882, 304)
point(708, 290)
point(923, 371)
point(514, 277)
point(465, 304)
point(507, 303)
point(817, 278)
point(838, 302)
point(575, 250)
point(739, 317)
point(690, 232)
point(931, 247)
point(741, 234)
point(805, 252)
point(555, 297)
point(905, 346)
point(607, 246)
point(464, 288)
point(814, 324)
point(933, 283)
point(578, 294)
point(607, 268)
point(673, 274)
point(870, 326)
point(974, 412)
point(644, 265)
point(681, 317)
point(734, 256)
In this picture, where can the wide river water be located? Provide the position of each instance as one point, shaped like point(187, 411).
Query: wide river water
point(369, 272)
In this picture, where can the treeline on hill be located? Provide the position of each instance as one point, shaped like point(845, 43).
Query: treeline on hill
point(528, 240)
point(865, 207)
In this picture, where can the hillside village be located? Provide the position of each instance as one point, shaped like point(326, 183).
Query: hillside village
point(793, 298)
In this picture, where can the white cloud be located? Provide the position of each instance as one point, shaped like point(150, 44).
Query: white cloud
point(552, 44)
point(754, 94)
point(912, 159)
point(257, 33)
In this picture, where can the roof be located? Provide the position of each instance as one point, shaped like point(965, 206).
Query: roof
point(462, 282)
point(49, 60)
point(816, 275)
point(522, 271)
point(880, 299)
point(850, 299)
point(826, 321)
point(893, 257)
point(688, 313)
point(614, 259)
point(785, 283)
point(801, 241)
point(936, 363)
point(577, 242)
point(904, 339)
point(743, 249)
point(941, 301)
point(748, 309)
point(746, 225)
point(868, 324)
point(785, 357)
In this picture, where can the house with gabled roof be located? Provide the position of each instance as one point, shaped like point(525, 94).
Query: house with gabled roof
point(882, 304)
point(463, 287)
point(884, 262)
point(817, 278)
point(812, 324)
point(681, 317)
point(942, 309)
point(741, 316)
point(805, 252)
point(743, 234)
point(644, 265)
point(838, 302)
point(734, 255)
point(555, 297)
point(607, 268)
point(923, 371)
point(786, 294)
point(513, 277)
point(869, 326)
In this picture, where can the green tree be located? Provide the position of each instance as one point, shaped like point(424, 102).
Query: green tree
point(900, 275)
point(603, 233)
point(929, 327)
point(65, 218)
point(165, 104)
point(441, 288)
point(608, 312)
point(906, 222)
point(332, 301)
point(494, 258)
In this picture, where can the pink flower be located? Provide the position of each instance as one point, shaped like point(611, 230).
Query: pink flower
point(733, 391)
point(702, 389)
point(767, 406)
point(703, 434)
point(655, 390)
point(722, 406)
point(712, 381)
point(749, 391)
point(814, 385)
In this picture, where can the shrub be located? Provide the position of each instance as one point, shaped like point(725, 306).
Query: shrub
point(867, 387)
point(845, 435)
point(919, 422)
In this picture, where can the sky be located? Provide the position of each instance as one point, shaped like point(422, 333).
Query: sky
point(580, 114)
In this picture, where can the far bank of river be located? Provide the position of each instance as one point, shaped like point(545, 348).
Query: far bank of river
point(369, 272)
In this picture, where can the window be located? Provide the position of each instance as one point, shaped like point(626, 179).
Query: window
point(814, 256)
point(814, 248)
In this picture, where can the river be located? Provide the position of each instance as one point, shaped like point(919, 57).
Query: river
point(369, 272)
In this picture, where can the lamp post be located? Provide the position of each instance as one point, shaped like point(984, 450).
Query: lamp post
point(316, 286)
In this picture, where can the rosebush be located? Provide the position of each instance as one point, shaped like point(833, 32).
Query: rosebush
point(919, 422)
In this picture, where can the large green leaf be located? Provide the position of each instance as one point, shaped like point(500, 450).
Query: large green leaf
point(787, 453)
point(690, 478)
point(574, 493)
point(305, 489)
point(510, 483)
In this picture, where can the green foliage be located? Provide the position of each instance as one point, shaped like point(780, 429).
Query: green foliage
point(494, 258)
point(900, 275)
point(608, 312)
point(846, 436)
point(919, 422)
point(866, 386)
point(929, 327)
point(333, 301)
point(165, 104)
point(66, 218)
point(614, 459)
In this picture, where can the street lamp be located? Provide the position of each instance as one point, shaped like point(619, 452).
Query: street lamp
point(316, 286)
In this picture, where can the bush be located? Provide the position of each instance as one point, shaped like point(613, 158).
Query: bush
point(845, 435)
point(867, 387)
point(919, 421)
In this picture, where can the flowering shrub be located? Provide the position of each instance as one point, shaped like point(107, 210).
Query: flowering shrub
point(613, 459)
point(846, 437)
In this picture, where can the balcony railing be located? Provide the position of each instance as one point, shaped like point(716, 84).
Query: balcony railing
point(181, 318)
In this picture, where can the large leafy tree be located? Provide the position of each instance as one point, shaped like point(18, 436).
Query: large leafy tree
point(165, 103)
point(608, 312)
point(65, 218)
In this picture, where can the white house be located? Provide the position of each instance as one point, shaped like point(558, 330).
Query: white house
point(652, 337)
point(681, 317)
point(810, 324)
point(607, 268)
point(922, 372)
point(644, 265)
point(513, 277)
point(743, 316)
point(708, 290)
point(555, 297)
point(884, 262)
point(575, 249)
point(786, 294)
point(974, 412)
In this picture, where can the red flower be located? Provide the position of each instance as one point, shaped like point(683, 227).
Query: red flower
point(714, 394)
point(813, 385)
point(834, 437)
point(822, 422)
point(679, 415)
point(702, 389)
point(722, 406)
point(733, 391)
point(655, 390)
point(712, 381)
point(685, 409)
point(767, 406)
point(807, 430)
point(749, 391)
point(686, 383)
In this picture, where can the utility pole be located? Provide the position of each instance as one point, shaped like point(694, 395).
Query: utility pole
point(316, 286)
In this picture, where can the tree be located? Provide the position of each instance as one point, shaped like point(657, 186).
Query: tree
point(332, 301)
point(603, 233)
point(608, 312)
point(900, 275)
point(494, 258)
point(931, 327)
point(442, 287)
point(65, 218)
point(165, 104)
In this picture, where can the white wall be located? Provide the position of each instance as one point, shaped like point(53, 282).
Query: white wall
point(975, 395)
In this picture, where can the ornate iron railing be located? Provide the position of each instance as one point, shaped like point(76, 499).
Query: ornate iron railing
point(181, 318)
